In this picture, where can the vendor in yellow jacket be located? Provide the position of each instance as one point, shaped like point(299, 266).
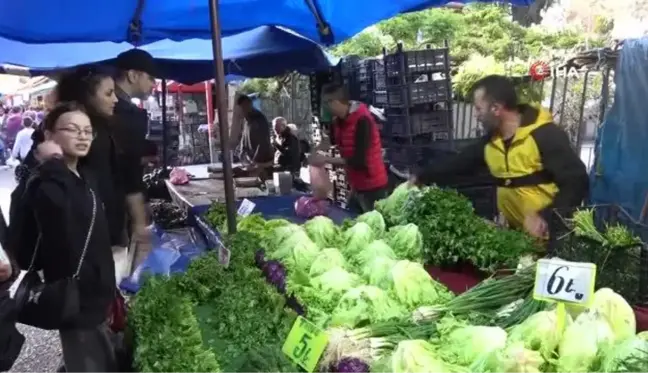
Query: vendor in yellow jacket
point(529, 156)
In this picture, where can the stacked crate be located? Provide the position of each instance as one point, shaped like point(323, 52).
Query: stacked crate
point(367, 82)
point(418, 106)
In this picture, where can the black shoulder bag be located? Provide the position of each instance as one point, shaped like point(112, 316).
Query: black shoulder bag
point(51, 305)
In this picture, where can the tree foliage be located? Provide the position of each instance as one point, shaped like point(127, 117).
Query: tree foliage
point(477, 30)
point(485, 29)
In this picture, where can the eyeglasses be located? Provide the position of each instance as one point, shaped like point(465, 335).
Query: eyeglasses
point(78, 132)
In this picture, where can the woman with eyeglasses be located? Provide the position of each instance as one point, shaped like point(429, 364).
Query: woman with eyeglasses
point(93, 90)
point(61, 206)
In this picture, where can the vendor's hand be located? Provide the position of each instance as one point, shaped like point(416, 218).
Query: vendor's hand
point(5, 272)
point(413, 181)
point(535, 225)
point(48, 150)
point(316, 160)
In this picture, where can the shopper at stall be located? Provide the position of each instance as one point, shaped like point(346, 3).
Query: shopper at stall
point(287, 146)
point(530, 157)
point(24, 141)
point(12, 127)
point(135, 79)
point(255, 139)
point(355, 132)
point(62, 195)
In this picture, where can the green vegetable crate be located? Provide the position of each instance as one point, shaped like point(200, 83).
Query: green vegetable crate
point(609, 237)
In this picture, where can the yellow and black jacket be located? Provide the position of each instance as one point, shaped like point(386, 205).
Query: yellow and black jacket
point(535, 170)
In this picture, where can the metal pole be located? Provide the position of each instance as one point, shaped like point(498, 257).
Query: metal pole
point(165, 130)
point(221, 105)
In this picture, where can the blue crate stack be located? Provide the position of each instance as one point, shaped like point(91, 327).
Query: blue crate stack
point(418, 106)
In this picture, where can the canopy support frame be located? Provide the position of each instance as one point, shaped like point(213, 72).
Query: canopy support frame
point(134, 32)
point(324, 29)
point(221, 104)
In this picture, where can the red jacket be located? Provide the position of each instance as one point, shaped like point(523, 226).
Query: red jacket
point(375, 175)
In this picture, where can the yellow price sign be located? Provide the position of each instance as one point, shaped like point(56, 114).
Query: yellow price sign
point(305, 344)
point(558, 280)
point(564, 282)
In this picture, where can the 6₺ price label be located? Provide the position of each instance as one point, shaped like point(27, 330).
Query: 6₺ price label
point(305, 344)
point(563, 281)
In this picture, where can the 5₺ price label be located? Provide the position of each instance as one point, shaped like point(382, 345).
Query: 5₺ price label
point(305, 344)
point(563, 281)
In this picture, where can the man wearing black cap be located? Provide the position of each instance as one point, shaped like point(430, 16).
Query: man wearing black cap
point(135, 79)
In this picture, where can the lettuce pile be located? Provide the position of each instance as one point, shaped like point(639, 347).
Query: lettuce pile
point(348, 277)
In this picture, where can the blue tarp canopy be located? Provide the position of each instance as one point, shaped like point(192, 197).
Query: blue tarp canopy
point(619, 175)
point(263, 52)
point(66, 21)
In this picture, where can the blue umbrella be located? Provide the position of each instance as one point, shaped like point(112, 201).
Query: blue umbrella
point(263, 52)
point(146, 21)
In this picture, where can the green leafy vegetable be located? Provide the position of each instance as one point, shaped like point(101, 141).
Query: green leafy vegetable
point(375, 220)
point(167, 334)
point(452, 232)
point(365, 303)
point(373, 250)
point(378, 272)
point(325, 260)
point(465, 345)
point(539, 333)
point(322, 231)
point(406, 241)
point(392, 207)
point(413, 286)
point(582, 342)
point(356, 238)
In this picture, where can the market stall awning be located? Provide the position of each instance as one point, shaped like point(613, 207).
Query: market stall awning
point(146, 21)
point(263, 52)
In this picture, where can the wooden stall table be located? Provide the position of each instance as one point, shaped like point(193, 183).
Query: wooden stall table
point(200, 191)
point(203, 192)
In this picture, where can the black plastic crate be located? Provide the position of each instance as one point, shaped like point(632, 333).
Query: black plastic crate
point(623, 269)
point(416, 62)
point(418, 93)
point(379, 99)
point(411, 158)
point(380, 83)
point(483, 199)
point(366, 68)
point(406, 123)
point(426, 139)
point(348, 65)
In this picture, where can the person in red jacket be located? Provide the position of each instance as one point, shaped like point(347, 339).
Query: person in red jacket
point(356, 135)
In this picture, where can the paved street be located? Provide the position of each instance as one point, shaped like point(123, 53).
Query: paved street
point(42, 349)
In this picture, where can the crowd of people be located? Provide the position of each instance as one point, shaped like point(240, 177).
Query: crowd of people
point(16, 125)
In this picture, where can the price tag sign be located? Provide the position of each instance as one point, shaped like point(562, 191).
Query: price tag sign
point(305, 344)
point(562, 281)
point(223, 255)
point(246, 207)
